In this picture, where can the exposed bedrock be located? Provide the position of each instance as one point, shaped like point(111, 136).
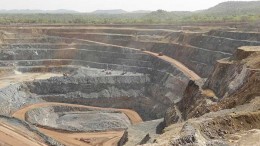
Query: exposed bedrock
point(240, 71)
point(239, 86)
point(90, 84)
point(127, 59)
point(198, 51)
point(149, 95)
point(224, 130)
point(15, 97)
point(40, 59)
point(144, 132)
point(252, 36)
point(149, 84)
point(229, 126)
point(198, 60)
point(133, 91)
point(221, 44)
point(77, 119)
point(197, 112)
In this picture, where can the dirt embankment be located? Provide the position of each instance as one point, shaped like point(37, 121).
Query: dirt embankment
point(10, 135)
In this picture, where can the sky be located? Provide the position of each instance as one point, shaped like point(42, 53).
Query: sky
point(128, 5)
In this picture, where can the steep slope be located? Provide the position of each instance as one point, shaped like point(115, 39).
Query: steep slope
point(228, 114)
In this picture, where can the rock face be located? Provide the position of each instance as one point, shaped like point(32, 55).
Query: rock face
point(14, 97)
point(233, 107)
point(81, 120)
point(233, 82)
point(218, 109)
point(135, 76)
point(165, 83)
point(251, 36)
point(198, 51)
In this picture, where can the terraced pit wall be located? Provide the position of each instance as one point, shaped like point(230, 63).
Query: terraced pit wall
point(198, 51)
point(234, 82)
point(166, 82)
point(149, 88)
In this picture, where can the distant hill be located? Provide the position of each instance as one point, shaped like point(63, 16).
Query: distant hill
point(234, 7)
point(161, 15)
point(115, 11)
point(141, 11)
point(232, 11)
point(25, 11)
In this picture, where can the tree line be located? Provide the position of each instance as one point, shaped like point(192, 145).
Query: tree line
point(157, 17)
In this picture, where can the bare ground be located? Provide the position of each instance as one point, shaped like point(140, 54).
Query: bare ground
point(10, 135)
point(109, 138)
point(178, 64)
point(21, 77)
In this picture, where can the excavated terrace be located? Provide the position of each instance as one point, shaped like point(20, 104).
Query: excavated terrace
point(86, 85)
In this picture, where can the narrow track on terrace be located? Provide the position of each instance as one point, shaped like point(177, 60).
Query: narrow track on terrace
point(178, 64)
point(24, 77)
point(132, 115)
point(109, 138)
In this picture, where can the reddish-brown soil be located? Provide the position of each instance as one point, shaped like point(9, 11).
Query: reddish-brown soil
point(109, 138)
point(10, 135)
point(178, 64)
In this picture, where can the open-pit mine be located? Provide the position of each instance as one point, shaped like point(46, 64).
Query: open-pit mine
point(114, 85)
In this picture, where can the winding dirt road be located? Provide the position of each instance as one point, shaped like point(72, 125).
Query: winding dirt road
point(109, 138)
point(178, 64)
point(191, 74)
point(132, 115)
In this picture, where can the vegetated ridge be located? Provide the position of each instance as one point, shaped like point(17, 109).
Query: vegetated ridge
point(234, 11)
